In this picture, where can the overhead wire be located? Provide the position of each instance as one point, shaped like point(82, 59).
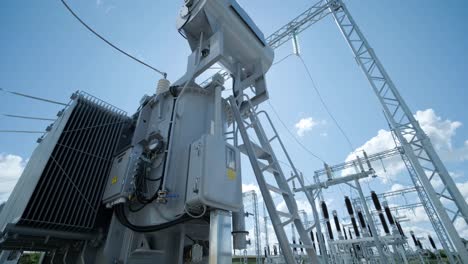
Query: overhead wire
point(28, 117)
point(325, 106)
point(32, 97)
point(22, 131)
point(293, 136)
point(110, 43)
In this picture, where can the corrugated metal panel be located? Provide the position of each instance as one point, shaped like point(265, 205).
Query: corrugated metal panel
point(68, 194)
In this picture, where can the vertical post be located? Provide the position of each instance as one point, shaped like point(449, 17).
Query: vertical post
point(220, 237)
point(321, 242)
point(217, 119)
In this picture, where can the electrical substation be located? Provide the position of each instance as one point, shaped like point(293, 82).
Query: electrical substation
point(164, 184)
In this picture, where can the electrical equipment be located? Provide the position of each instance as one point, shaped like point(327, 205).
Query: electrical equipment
point(214, 166)
point(220, 31)
point(57, 199)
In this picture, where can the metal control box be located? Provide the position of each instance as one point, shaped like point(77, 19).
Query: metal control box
point(120, 181)
point(214, 177)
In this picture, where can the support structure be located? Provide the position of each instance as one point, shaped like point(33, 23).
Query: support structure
point(417, 147)
point(263, 153)
point(253, 200)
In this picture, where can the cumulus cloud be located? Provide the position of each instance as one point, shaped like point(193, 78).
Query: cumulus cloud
point(11, 167)
point(305, 125)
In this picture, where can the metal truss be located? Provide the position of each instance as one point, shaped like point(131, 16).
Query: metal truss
point(431, 212)
point(418, 150)
point(252, 197)
point(351, 164)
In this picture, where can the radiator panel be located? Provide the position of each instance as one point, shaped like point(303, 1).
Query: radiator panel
point(66, 178)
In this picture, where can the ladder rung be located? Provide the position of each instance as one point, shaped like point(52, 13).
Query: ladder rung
point(276, 189)
point(270, 168)
point(260, 153)
point(283, 214)
point(273, 138)
point(290, 220)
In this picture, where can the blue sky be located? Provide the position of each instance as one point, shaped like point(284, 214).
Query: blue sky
point(45, 52)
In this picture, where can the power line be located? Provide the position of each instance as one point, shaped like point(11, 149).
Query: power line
point(110, 44)
point(29, 117)
point(293, 136)
point(32, 97)
point(325, 105)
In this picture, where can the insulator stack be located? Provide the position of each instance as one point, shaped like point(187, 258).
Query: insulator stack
point(355, 227)
point(337, 222)
point(400, 229)
point(370, 230)
point(313, 239)
point(414, 238)
point(265, 251)
point(349, 206)
point(376, 201)
point(432, 242)
point(362, 221)
point(318, 243)
point(268, 250)
point(294, 243)
point(384, 223)
point(330, 231)
point(350, 235)
point(345, 235)
point(420, 244)
point(390, 218)
point(325, 210)
point(275, 250)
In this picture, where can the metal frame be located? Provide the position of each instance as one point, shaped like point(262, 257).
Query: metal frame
point(264, 151)
point(417, 147)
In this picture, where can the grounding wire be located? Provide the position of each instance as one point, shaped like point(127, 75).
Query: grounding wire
point(325, 106)
point(110, 43)
point(32, 97)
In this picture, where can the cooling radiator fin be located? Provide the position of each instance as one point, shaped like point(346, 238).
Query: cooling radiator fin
point(69, 192)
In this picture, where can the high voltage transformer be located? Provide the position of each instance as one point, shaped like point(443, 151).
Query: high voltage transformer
point(155, 187)
point(164, 185)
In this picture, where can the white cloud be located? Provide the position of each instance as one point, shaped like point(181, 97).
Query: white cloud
point(441, 132)
point(11, 167)
point(305, 125)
